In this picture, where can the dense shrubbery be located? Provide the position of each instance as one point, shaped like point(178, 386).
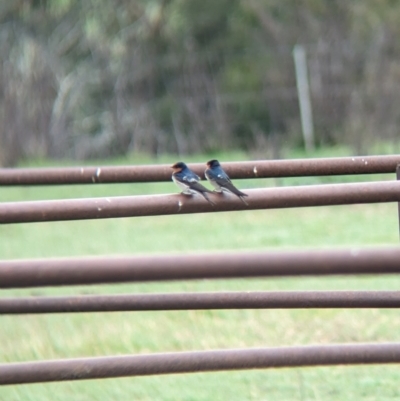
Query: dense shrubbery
point(99, 78)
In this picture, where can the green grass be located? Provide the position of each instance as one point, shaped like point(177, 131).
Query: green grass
point(24, 338)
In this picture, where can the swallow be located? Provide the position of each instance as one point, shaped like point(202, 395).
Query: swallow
point(187, 180)
point(221, 181)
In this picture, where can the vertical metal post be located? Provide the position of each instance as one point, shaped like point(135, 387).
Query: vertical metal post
point(398, 178)
point(303, 89)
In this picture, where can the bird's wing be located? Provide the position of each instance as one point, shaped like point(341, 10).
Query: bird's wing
point(190, 178)
point(225, 182)
point(192, 182)
point(196, 186)
point(189, 175)
point(222, 178)
point(214, 174)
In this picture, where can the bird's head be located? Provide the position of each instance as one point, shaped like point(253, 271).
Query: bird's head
point(178, 167)
point(213, 163)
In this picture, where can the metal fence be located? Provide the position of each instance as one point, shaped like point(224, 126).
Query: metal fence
point(198, 361)
point(78, 271)
point(155, 205)
point(75, 271)
point(249, 169)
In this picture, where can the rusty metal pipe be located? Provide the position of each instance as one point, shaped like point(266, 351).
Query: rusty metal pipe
point(236, 170)
point(198, 361)
point(201, 301)
point(270, 198)
point(77, 271)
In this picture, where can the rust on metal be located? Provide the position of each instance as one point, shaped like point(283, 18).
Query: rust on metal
point(77, 271)
point(236, 170)
point(198, 361)
point(152, 205)
point(201, 301)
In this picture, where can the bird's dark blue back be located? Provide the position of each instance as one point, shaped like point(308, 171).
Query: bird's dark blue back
point(186, 172)
point(218, 172)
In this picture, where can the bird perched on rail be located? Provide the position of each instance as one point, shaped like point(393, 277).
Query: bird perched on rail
point(221, 181)
point(188, 181)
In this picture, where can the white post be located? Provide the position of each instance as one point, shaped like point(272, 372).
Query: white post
point(303, 91)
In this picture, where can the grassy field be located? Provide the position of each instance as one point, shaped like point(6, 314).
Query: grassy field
point(24, 338)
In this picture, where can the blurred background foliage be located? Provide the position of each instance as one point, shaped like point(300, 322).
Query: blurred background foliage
point(101, 78)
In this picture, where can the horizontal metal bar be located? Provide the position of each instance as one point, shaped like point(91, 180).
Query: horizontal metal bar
point(76, 271)
point(196, 301)
point(248, 169)
point(198, 361)
point(270, 198)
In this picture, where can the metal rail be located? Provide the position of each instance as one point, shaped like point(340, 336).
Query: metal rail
point(77, 271)
point(248, 169)
point(270, 198)
point(198, 361)
point(398, 180)
point(196, 301)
